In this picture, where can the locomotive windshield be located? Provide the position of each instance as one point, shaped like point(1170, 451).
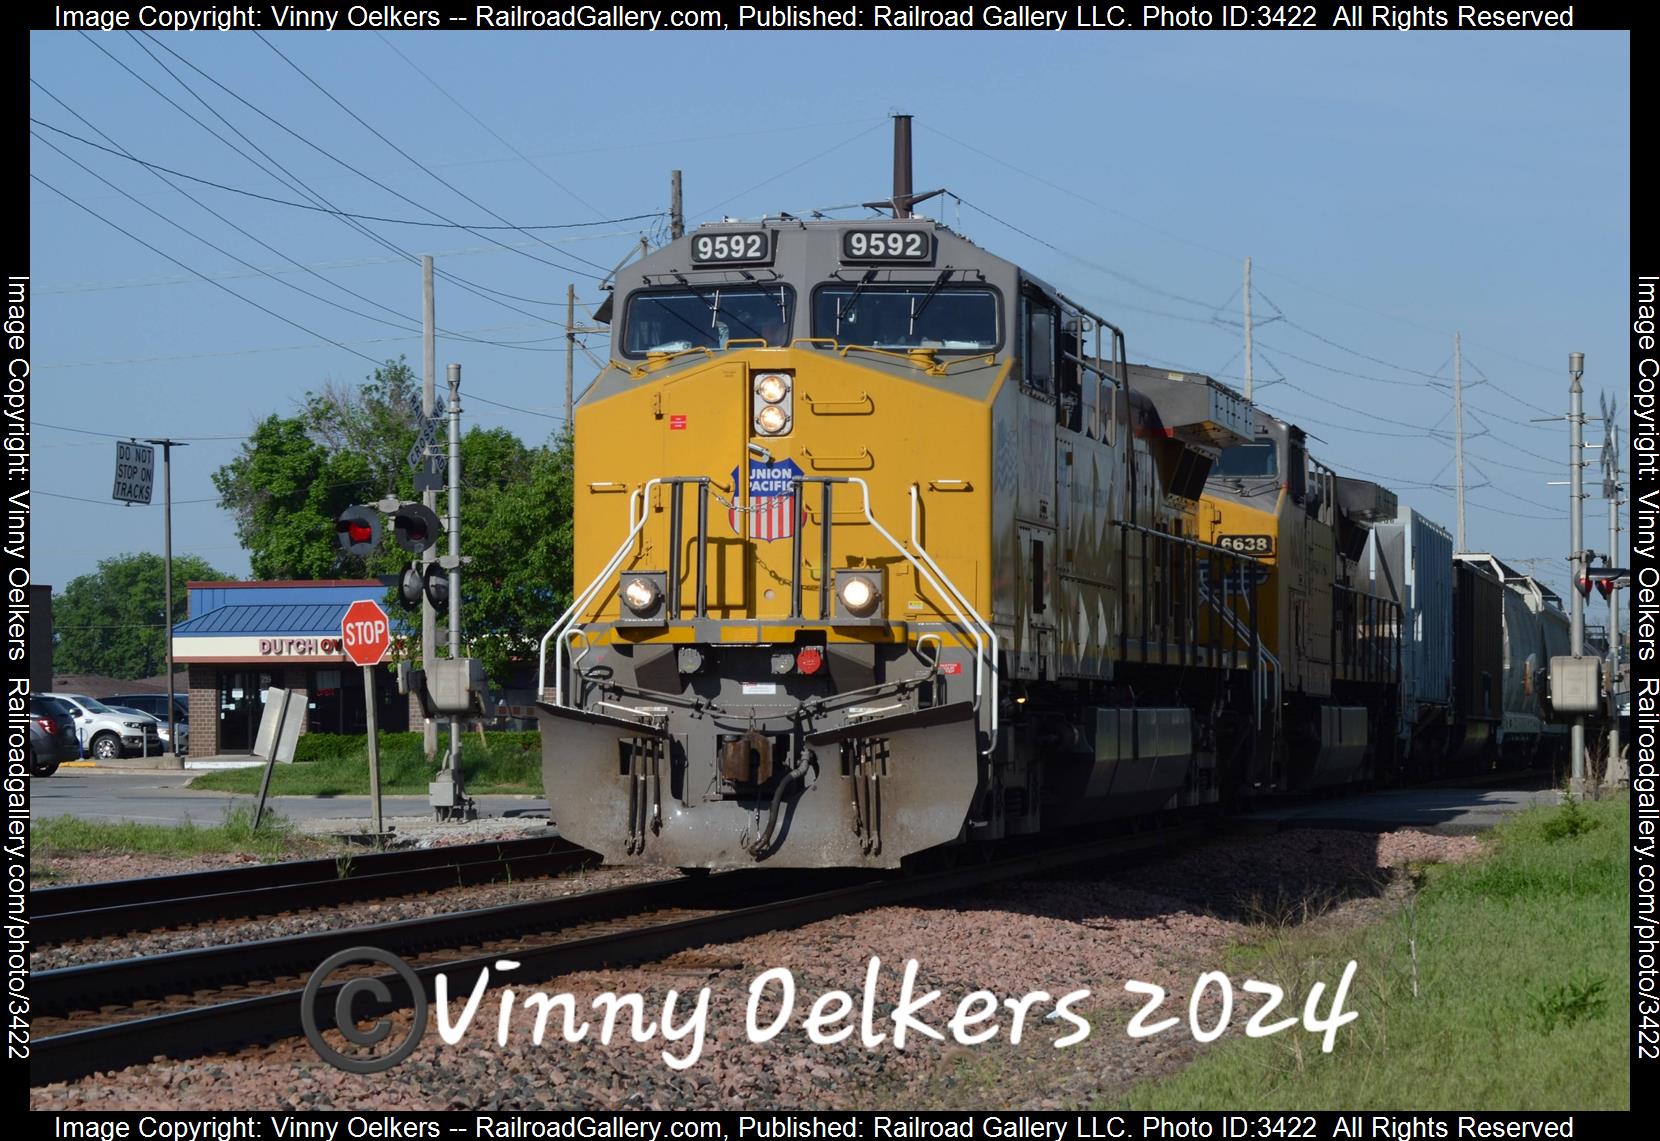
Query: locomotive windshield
point(673, 320)
point(919, 317)
point(1246, 460)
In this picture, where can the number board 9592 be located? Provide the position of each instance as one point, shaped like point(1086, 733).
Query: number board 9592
point(910, 246)
point(1247, 544)
point(734, 247)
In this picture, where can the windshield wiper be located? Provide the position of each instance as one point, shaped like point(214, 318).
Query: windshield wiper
point(714, 308)
point(933, 291)
point(847, 305)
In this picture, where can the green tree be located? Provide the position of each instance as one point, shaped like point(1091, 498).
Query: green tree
point(511, 596)
point(111, 622)
point(297, 473)
point(347, 445)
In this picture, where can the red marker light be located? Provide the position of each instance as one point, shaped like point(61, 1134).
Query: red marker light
point(359, 532)
point(809, 659)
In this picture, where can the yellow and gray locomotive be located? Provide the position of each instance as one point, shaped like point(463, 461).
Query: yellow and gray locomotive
point(880, 546)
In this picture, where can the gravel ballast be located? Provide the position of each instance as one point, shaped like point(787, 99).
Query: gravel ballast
point(1162, 920)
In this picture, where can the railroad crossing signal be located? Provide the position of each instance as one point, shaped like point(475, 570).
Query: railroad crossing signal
point(358, 529)
point(1605, 579)
point(365, 633)
point(415, 527)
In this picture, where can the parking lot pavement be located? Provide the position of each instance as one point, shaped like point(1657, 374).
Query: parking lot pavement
point(152, 797)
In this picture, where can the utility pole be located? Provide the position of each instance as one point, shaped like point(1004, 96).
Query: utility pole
point(167, 447)
point(1250, 353)
point(677, 213)
point(1576, 527)
point(429, 497)
point(1458, 428)
point(570, 336)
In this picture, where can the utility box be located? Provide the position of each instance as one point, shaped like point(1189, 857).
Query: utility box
point(1575, 685)
point(455, 688)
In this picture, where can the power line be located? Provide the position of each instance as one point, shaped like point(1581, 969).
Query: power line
point(456, 279)
point(512, 407)
point(117, 436)
point(788, 170)
point(209, 280)
point(528, 161)
point(122, 361)
point(1205, 305)
point(349, 214)
point(112, 502)
point(422, 166)
point(221, 250)
point(168, 182)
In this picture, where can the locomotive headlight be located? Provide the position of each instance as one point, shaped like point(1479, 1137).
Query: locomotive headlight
point(641, 595)
point(858, 595)
point(772, 402)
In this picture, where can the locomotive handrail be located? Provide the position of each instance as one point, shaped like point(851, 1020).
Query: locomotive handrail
point(641, 498)
point(1263, 652)
point(957, 596)
point(950, 592)
point(1233, 620)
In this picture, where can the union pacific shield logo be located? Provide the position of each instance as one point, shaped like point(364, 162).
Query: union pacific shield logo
point(775, 512)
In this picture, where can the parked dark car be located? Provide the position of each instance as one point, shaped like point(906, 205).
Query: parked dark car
point(52, 738)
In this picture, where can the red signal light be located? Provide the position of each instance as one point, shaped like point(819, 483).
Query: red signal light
point(358, 530)
point(1605, 587)
point(1583, 583)
point(809, 660)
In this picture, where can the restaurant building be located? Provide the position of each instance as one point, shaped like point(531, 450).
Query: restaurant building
point(243, 637)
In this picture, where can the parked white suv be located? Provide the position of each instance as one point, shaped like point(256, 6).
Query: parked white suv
point(155, 704)
point(106, 734)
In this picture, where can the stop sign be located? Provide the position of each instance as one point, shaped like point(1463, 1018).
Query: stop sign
point(364, 632)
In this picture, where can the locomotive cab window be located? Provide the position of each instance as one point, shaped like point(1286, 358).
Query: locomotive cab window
point(1246, 461)
point(944, 318)
point(1037, 350)
point(690, 317)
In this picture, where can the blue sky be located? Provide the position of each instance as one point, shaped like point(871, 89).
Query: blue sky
point(1390, 188)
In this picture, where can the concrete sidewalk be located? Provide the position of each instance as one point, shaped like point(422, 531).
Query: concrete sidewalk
point(159, 797)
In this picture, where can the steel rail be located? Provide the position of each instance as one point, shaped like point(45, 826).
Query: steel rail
point(543, 857)
point(108, 893)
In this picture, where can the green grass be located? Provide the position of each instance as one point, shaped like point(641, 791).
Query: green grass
point(503, 763)
point(67, 835)
point(1520, 962)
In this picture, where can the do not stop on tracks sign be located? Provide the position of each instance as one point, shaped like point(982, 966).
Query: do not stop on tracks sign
point(365, 633)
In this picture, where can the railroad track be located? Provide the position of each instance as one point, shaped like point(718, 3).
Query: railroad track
point(106, 1016)
point(115, 907)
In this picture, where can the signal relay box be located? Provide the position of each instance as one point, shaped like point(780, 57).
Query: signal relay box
point(1575, 684)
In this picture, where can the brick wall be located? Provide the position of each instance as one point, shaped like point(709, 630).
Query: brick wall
point(204, 710)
